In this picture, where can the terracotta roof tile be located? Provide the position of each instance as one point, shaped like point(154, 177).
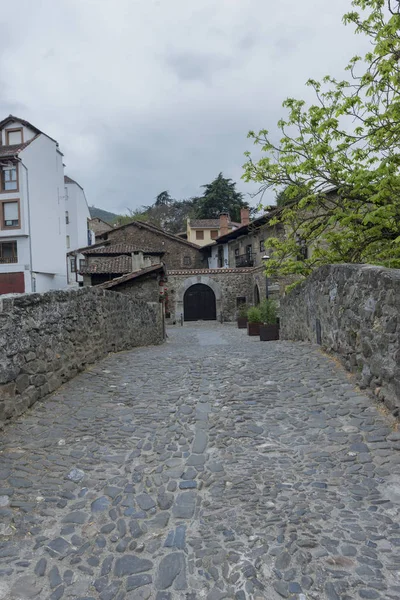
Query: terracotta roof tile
point(14, 149)
point(117, 264)
point(209, 223)
point(120, 248)
point(135, 275)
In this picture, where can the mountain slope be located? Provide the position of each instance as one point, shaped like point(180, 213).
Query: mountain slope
point(105, 215)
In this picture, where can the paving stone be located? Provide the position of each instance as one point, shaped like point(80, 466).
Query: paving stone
point(239, 473)
point(137, 581)
point(40, 568)
point(100, 504)
point(130, 564)
point(172, 571)
point(145, 501)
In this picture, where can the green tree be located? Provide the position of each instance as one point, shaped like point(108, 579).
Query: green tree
point(131, 215)
point(220, 196)
point(343, 153)
point(163, 199)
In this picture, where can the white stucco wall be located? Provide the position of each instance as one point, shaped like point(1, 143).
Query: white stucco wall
point(47, 209)
point(78, 213)
point(213, 260)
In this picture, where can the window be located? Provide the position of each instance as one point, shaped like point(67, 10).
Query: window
point(249, 250)
point(14, 136)
point(262, 245)
point(214, 234)
point(66, 217)
point(187, 261)
point(199, 235)
point(220, 257)
point(240, 300)
point(236, 251)
point(82, 263)
point(68, 241)
point(9, 181)
point(10, 214)
point(73, 265)
point(8, 253)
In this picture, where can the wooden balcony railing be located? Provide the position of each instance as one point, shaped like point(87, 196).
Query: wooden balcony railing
point(7, 260)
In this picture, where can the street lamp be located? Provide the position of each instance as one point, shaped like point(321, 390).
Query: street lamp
point(266, 258)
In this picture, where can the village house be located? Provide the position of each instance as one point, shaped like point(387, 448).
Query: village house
point(98, 226)
point(105, 261)
point(77, 220)
point(204, 231)
point(178, 253)
point(32, 209)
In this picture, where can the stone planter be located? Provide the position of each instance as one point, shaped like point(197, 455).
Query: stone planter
point(269, 332)
point(253, 328)
point(242, 322)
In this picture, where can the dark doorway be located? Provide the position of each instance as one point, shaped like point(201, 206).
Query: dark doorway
point(199, 303)
point(256, 295)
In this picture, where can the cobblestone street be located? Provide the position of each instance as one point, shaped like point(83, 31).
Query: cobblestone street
point(214, 466)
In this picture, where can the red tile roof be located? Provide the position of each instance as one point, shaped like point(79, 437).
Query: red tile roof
point(105, 265)
point(135, 275)
point(14, 149)
point(209, 224)
point(120, 248)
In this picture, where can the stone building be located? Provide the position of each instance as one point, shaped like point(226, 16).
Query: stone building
point(146, 284)
point(213, 294)
point(105, 261)
point(245, 246)
point(178, 253)
point(98, 226)
point(204, 231)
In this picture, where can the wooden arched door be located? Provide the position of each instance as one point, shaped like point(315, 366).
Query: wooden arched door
point(199, 303)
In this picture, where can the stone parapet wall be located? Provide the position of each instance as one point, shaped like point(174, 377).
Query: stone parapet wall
point(352, 311)
point(46, 339)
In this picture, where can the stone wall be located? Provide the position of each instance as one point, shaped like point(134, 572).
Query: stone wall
point(46, 339)
point(352, 311)
point(229, 285)
point(179, 254)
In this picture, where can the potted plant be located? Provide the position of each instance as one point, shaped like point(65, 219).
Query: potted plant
point(253, 320)
point(269, 328)
point(242, 316)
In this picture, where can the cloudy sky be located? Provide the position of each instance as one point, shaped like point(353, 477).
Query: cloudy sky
point(148, 95)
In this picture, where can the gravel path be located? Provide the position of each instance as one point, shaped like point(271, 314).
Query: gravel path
point(215, 466)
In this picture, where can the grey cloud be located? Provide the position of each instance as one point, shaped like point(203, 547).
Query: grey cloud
point(147, 95)
point(201, 67)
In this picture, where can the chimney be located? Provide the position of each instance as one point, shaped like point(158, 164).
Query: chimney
point(224, 224)
point(137, 261)
point(244, 216)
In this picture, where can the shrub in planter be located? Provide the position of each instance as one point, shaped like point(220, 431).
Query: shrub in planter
point(242, 316)
point(253, 320)
point(269, 329)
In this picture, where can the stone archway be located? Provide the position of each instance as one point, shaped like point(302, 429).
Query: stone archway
point(189, 282)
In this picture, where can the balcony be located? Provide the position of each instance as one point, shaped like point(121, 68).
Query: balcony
point(244, 260)
point(7, 260)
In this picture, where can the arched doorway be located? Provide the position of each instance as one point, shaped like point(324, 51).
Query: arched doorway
point(199, 303)
point(256, 295)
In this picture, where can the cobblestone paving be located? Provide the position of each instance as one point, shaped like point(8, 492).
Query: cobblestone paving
point(215, 466)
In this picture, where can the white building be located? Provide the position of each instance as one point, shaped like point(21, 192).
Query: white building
point(77, 219)
point(32, 210)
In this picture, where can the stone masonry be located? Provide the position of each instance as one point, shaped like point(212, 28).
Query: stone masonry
point(47, 339)
point(353, 311)
point(230, 286)
point(179, 254)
